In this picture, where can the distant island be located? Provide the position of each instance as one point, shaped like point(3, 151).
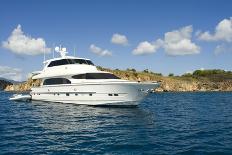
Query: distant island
point(199, 80)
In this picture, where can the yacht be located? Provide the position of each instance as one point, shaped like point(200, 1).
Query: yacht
point(69, 79)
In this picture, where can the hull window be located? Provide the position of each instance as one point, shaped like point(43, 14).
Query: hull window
point(54, 81)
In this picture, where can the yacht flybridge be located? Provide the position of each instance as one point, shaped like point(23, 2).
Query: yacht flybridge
point(76, 80)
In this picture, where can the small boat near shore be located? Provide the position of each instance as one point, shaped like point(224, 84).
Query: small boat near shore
point(20, 97)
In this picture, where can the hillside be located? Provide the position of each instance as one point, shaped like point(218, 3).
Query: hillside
point(207, 80)
point(24, 86)
point(4, 84)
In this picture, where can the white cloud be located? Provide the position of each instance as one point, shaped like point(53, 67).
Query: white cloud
point(178, 42)
point(119, 39)
point(11, 73)
point(22, 44)
point(99, 51)
point(223, 48)
point(223, 32)
point(146, 47)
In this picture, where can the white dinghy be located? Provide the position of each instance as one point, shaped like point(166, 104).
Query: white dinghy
point(20, 97)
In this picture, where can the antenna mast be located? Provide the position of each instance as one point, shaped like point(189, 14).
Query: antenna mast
point(74, 49)
point(44, 56)
point(53, 52)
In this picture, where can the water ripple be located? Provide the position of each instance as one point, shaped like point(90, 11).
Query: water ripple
point(165, 123)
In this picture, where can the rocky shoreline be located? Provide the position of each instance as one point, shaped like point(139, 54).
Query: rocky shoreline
point(173, 84)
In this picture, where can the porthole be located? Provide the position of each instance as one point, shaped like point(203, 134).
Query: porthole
point(76, 94)
point(115, 94)
point(110, 94)
point(67, 94)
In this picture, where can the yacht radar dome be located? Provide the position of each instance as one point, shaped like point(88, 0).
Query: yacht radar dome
point(62, 51)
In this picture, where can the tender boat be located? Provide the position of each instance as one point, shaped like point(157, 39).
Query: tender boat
point(20, 97)
point(77, 80)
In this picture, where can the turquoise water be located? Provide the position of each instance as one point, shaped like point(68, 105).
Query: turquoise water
point(165, 123)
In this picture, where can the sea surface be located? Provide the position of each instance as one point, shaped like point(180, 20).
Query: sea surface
point(164, 123)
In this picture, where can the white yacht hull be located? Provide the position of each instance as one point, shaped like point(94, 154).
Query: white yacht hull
point(112, 93)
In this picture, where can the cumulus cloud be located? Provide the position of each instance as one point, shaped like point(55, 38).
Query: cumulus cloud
point(22, 44)
point(178, 42)
point(223, 32)
point(119, 39)
point(11, 73)
point(146, 47)
point(99, 51)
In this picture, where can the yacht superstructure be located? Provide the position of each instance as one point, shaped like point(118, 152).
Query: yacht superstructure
point(77, 80)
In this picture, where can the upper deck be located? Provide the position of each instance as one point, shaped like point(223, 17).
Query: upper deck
point(64, 66)
point(67, 61)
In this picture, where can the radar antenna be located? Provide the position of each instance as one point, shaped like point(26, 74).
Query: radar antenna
point(62, 51)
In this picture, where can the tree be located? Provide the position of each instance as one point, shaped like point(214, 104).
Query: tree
point(146, 71)
point(131, 70)
point(187, 75)
point(170, 74)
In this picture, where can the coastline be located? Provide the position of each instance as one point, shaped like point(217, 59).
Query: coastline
point(218, 81)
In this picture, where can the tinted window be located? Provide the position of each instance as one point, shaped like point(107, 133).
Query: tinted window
point(89, 62)
point(79, 76)
point(79, 61)
point(69, 61)
point(101, 76)
point(55, 81)
point(95, 76)
point(58, 62)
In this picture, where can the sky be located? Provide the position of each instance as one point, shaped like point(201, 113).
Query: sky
point(163, 36)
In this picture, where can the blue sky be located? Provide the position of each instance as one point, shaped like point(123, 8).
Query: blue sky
point(162, 36)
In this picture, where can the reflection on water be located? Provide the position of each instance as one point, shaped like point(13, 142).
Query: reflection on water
point(58, 117)
point(165, 123)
